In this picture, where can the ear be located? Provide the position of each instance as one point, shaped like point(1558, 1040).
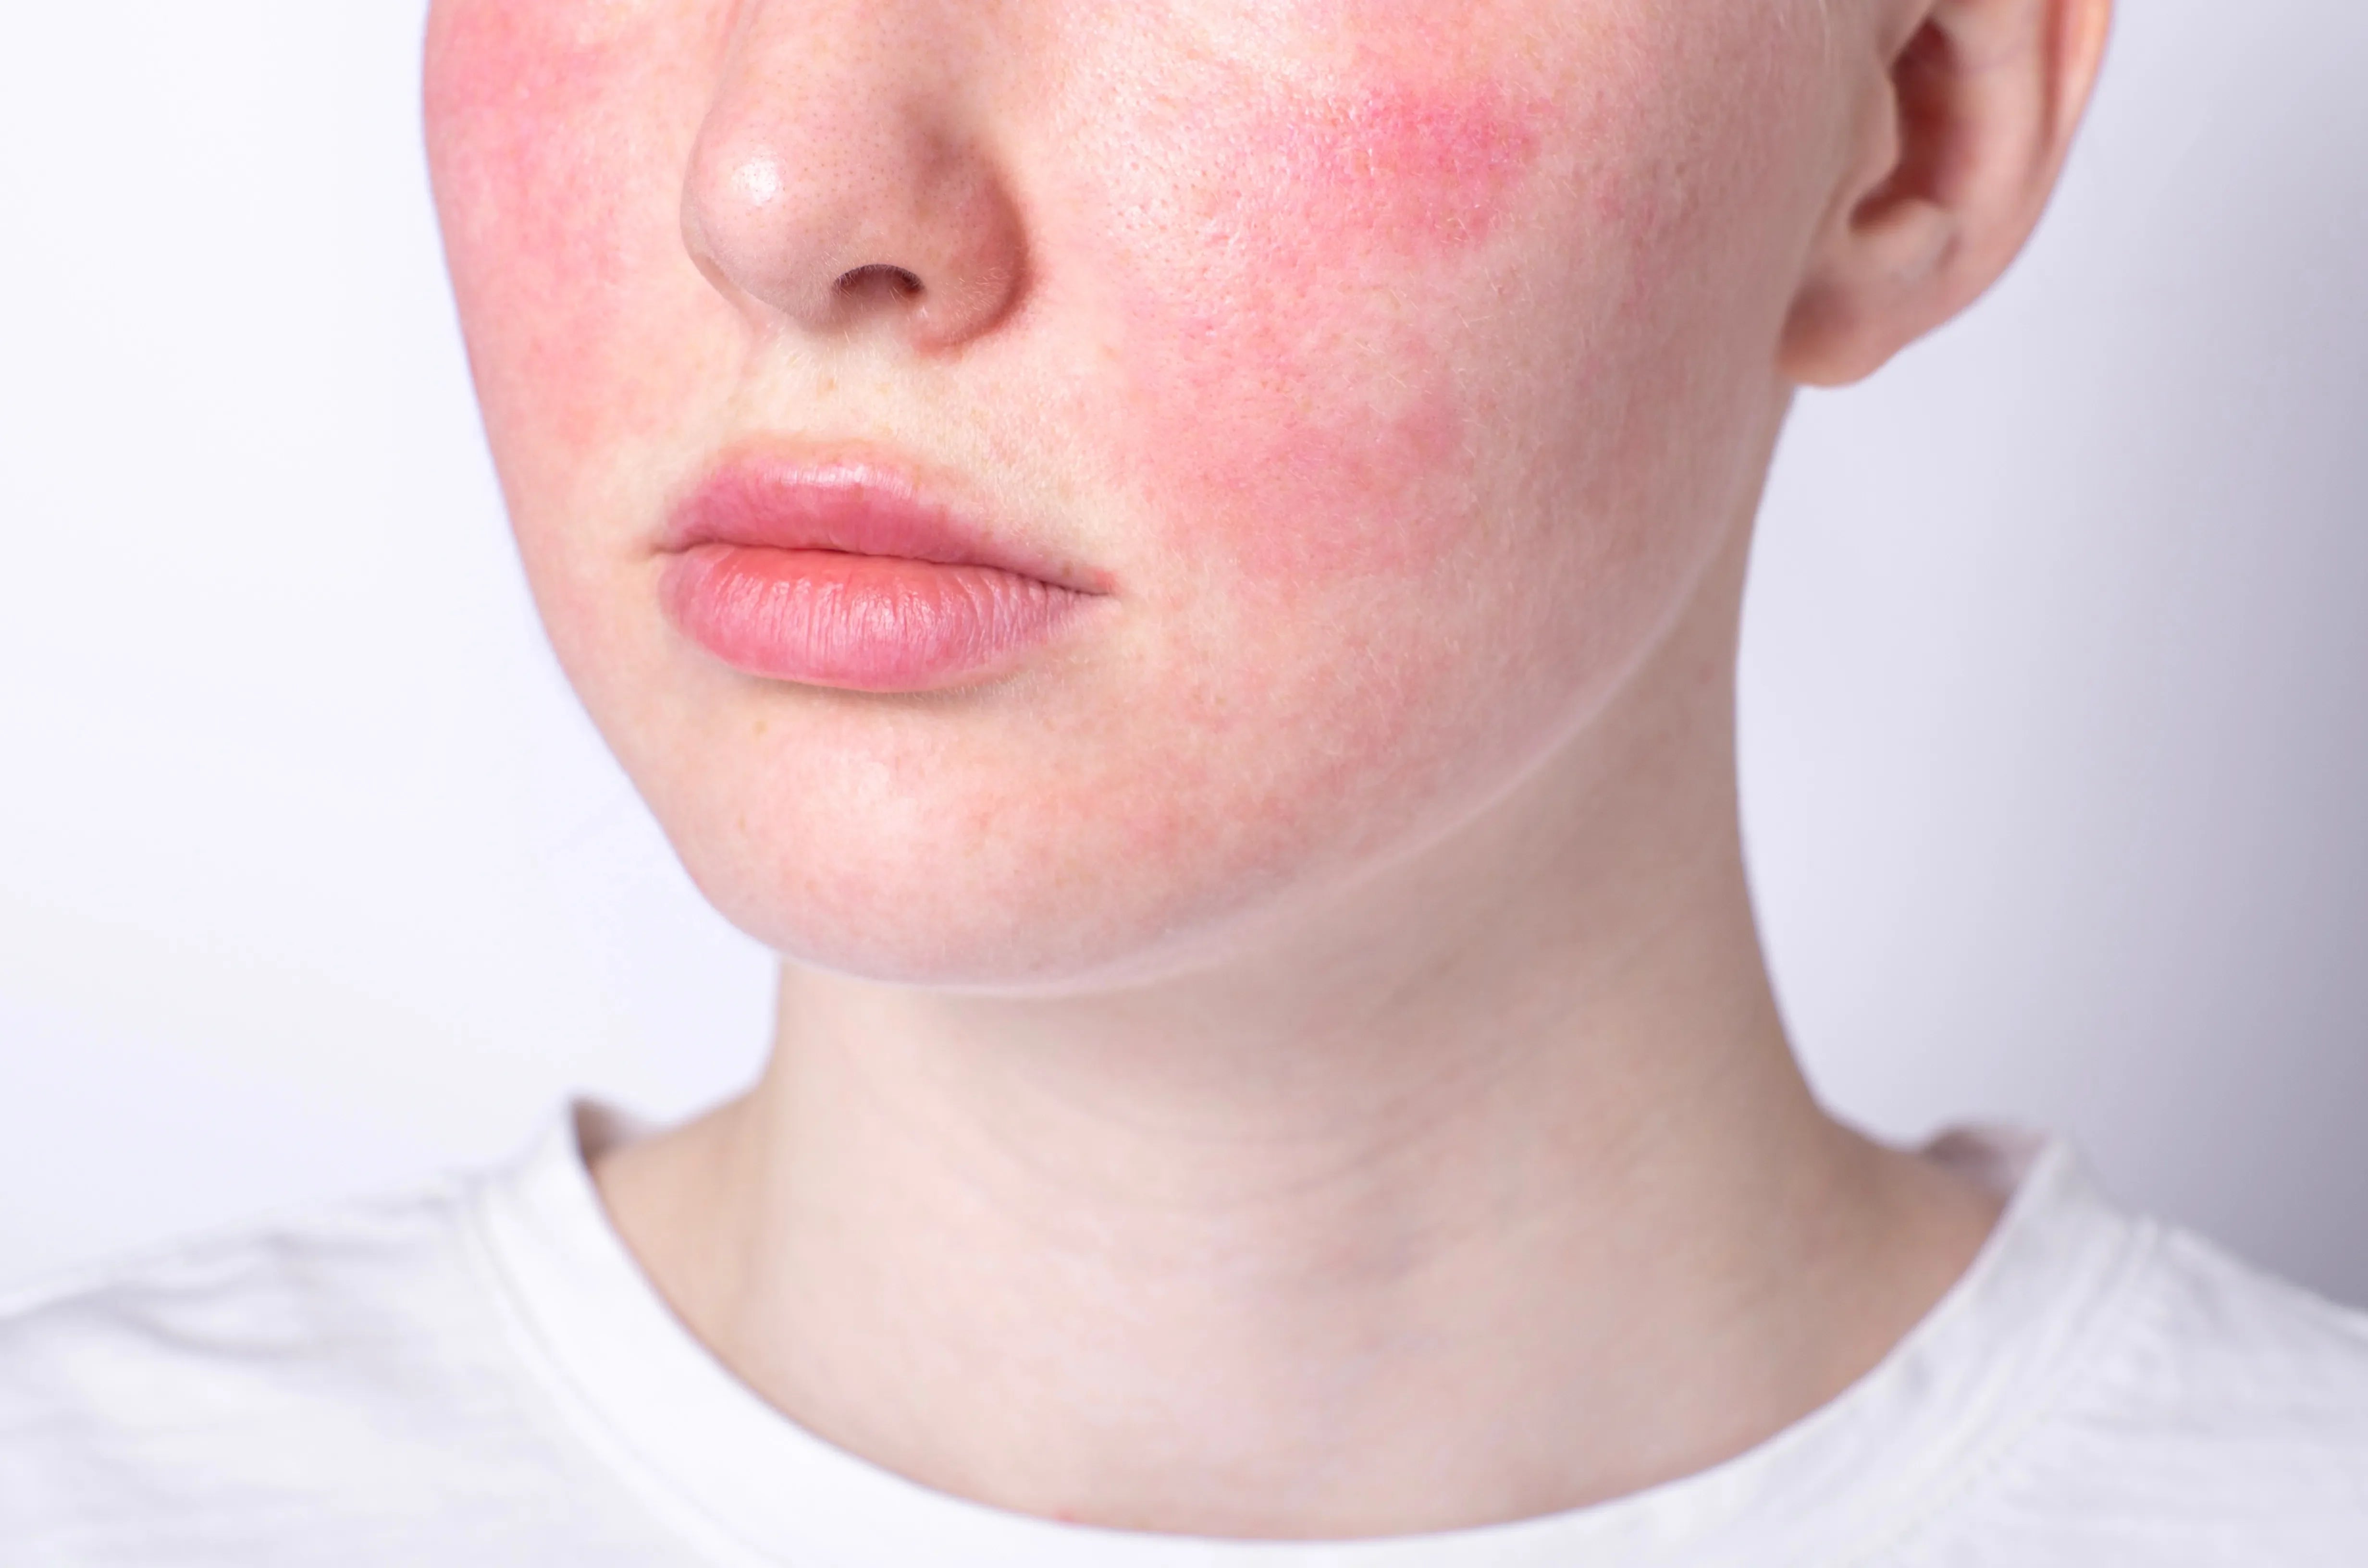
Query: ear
point(1967, 112)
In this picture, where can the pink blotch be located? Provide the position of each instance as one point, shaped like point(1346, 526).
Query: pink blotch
point(1402, 169)
point(544, 219)
point(1295, 405)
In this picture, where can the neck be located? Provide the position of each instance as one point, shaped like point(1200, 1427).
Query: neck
point(1493, 1193)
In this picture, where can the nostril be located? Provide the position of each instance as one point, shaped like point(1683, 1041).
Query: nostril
point(879, 278)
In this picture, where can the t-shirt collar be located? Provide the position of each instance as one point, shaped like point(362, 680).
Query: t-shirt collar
point(705, 1450)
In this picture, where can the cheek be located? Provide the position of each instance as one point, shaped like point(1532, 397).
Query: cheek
point(549, 141)
point(1291, 390)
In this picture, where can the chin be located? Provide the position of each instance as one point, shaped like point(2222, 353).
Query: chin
point(1152, 802)
point(949, 847)
point(1025, 914)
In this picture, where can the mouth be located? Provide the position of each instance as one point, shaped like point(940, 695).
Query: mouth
point(848, 575)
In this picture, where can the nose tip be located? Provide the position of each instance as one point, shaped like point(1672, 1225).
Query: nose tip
point(833, 207)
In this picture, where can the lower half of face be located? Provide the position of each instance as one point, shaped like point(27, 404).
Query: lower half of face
point(1380, 380)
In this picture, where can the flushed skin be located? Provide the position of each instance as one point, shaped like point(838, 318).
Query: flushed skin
point(1288, 1054)
point(1397, 368)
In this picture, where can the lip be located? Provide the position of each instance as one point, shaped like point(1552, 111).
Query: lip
point(847, 574)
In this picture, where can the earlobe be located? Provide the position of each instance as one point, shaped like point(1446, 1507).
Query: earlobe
point(1965, 132)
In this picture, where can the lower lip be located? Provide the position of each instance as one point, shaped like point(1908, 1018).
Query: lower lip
point(859, 622)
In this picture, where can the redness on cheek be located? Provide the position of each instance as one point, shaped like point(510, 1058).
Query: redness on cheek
point(538, 204)
point(1294, 400)
point(1398, 171)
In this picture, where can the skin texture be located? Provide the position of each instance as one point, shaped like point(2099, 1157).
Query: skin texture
point(1252, 326)
point(1227, 1063)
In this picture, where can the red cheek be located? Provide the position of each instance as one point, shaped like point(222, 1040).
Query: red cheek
point(1398, 170)
point(1293, 398)
point(538, 144)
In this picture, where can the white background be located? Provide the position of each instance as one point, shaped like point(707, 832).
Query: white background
point(313, 880)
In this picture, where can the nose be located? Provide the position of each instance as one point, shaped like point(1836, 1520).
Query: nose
point(838, 181)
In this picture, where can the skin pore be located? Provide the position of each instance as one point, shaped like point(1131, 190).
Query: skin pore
point(1294, 1058)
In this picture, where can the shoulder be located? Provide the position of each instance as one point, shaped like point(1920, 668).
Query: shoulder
point(155, 1363)
point(237, 1307)
point(2213, 1333)
point(2232, 1378)
point(2214, 1415)
point(271, 1307)
point(196, 1404)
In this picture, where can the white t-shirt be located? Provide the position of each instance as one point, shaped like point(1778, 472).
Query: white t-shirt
point(479, 1375)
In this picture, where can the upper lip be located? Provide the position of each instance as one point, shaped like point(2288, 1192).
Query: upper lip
point(854, 505)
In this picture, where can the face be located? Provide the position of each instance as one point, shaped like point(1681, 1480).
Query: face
point(1030, 487)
